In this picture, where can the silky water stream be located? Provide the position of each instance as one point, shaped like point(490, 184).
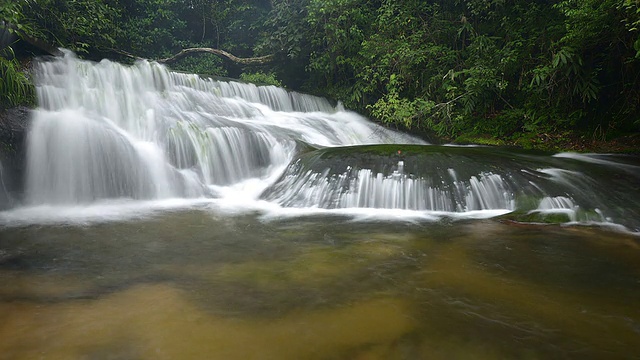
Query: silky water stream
point(167, 216)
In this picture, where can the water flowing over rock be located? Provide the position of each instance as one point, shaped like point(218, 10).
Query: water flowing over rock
point(462, 180)
point(109, 131)
point(141, 136)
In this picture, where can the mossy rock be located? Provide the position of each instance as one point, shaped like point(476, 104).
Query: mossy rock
point(537, 217)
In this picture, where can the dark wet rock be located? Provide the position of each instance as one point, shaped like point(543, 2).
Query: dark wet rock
point(14, 123)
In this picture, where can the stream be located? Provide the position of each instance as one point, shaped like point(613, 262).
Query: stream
point(169, 216)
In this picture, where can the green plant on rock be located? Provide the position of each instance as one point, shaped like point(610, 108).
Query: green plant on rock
point(261, 78)
point(15, 86)
point(206, 64)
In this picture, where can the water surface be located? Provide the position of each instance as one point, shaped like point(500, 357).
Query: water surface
point(200, 284)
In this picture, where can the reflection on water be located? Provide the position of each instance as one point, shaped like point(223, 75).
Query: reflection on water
point(192, 285)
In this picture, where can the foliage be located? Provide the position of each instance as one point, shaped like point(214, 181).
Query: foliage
point(11, 12)
point(507, 68)
point(206, 64)
point(631, 20)
point(151, 28)
point(479, 66)
point(15, 87)
point(339, 27)
point(261, 78)
point(83, 26)
point(283, 31)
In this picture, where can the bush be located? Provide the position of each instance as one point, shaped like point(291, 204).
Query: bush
point(261, 78)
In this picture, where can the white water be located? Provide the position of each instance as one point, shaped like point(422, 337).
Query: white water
point(557, 205)
point(366, 189)
point(106, 131)
point(112, 142)
point(107, 134)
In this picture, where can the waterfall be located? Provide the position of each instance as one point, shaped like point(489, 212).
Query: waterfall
point(109, 140)
point(108, 131)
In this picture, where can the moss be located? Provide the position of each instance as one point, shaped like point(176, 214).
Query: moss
point(480, 140)
point(537, 217)
point(399, 150)
point(557, 141)
point(527, 203)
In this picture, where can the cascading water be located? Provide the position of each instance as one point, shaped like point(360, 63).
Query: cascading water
point(106, 133)
point(461, 181)
point(364, 188)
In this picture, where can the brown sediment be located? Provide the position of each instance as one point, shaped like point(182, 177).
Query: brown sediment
point(46, 288)
point(157, 322)
point(20, 285)
point(598, 322)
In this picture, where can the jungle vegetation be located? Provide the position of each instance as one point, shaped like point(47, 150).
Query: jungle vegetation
point(508, 69)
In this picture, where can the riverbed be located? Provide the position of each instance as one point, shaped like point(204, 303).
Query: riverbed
point(197, 283)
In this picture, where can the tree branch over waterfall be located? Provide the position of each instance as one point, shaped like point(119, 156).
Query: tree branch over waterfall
point(260, 60)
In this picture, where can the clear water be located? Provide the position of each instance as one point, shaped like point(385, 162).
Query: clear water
point(200, 284)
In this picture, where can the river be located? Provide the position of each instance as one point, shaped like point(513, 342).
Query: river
point(166, 216)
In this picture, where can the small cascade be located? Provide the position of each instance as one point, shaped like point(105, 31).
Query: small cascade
point(274, 97)
point(558, 205)
point(365, 188)
point(417, 178)
point(436, 179)
point(564, 206)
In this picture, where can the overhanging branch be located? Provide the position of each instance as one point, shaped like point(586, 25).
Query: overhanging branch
point(260, 60)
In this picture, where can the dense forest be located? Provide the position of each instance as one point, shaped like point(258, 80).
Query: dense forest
point(505, 69)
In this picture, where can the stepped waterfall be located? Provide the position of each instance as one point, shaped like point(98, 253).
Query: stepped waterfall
point(105, 133)
point(108, 131)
